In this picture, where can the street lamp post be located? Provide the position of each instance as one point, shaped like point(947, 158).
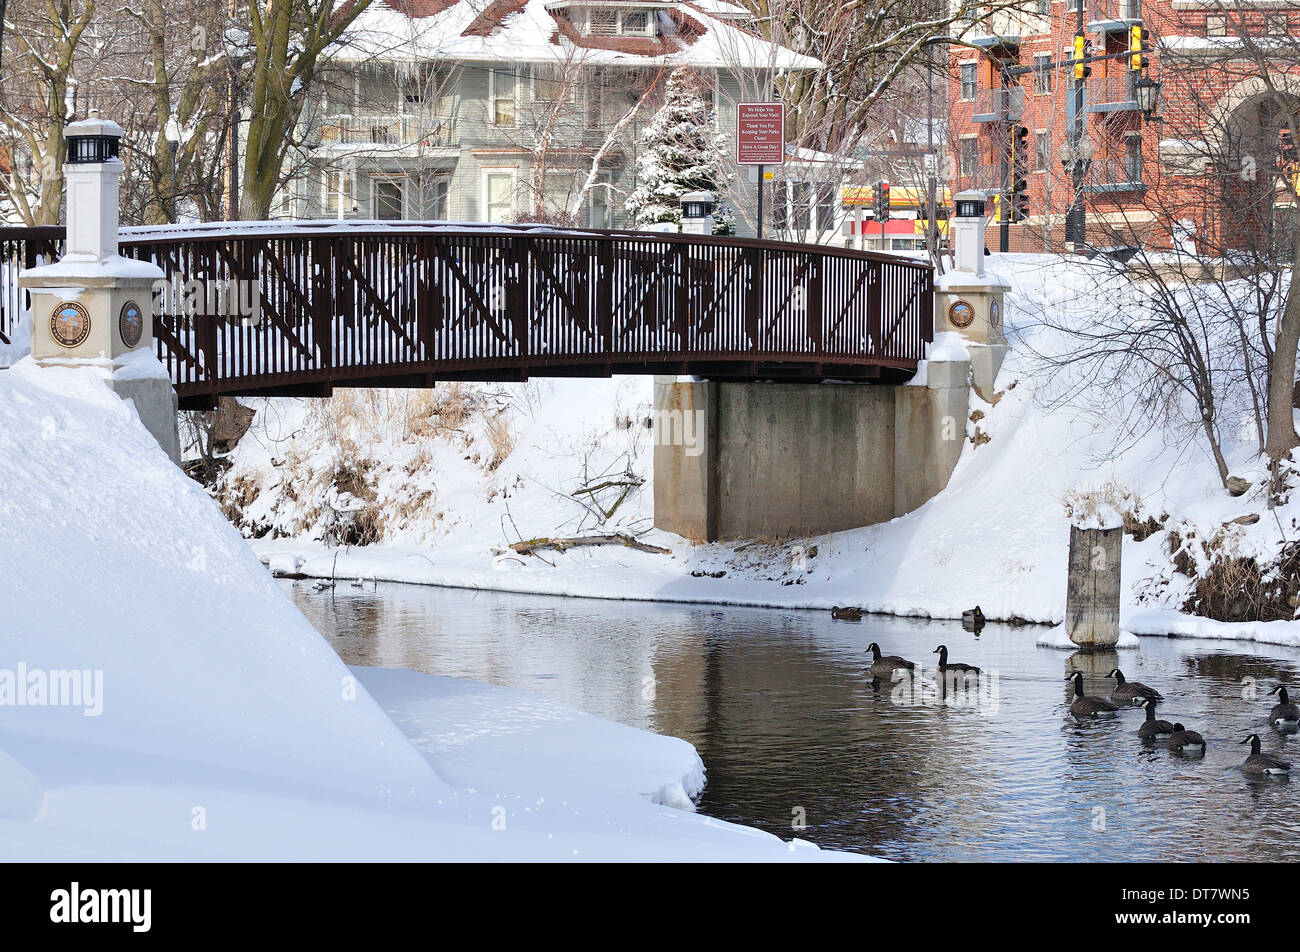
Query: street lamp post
point(172, 132)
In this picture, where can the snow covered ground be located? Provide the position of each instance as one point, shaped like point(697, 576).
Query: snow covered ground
point(449, 506)
point(162, 698)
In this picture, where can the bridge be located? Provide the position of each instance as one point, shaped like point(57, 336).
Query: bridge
point(300, 308)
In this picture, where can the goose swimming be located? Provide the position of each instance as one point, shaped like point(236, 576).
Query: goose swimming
point(1130, 692)
point(1186, 742)
point(1084, 706)
point(1258, 763)
point(1151, 728)
point(1284, 713)
point(884, 666)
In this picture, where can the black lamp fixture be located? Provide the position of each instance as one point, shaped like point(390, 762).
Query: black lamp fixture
point(1147, 93)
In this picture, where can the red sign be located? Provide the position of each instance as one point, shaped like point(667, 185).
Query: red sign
point(760, 133)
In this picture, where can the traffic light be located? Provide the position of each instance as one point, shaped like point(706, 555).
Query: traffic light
point(1019, 144)
point(1019, 197)
point(1081, 69)
point(882, 201)
point(1135, 47)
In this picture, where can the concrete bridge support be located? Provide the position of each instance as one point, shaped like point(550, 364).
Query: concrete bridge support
point(779, 460)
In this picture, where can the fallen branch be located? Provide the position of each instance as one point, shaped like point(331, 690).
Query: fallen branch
point(529, 546)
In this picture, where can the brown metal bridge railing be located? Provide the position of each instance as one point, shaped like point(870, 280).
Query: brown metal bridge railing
point(347, 304)
point(22, 248)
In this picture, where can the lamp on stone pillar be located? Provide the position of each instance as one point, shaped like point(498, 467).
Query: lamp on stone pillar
point(94, 308)
point(969, 298)
point(697, 213)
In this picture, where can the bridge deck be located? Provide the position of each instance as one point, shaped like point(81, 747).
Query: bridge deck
point(336, 305)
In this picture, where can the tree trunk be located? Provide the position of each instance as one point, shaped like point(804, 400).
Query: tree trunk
point(1281, 437)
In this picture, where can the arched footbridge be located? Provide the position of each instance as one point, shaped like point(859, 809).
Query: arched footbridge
point(300, 308)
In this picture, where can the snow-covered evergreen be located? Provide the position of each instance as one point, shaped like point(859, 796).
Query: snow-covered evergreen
point(680, 153)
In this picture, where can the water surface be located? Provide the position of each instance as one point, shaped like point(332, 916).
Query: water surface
point(792, 730)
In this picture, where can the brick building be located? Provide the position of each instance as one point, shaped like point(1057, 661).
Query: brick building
point(1208, 168)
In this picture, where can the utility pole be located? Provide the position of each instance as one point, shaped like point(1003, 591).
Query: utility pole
point(1075, 218)
point(1004, 170)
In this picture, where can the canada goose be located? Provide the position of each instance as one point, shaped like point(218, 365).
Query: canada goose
point(1185, 741)
point(1084, 706)
point(1130, 692)
point(885, 666)
point(847, 614)
point(1284, 713)
point(1258, 763)
point(972, 616)
point(1151, 728)
point(942, 652)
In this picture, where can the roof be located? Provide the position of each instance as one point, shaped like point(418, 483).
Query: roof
point(701, 34)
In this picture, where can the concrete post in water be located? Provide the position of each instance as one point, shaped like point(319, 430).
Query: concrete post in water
point(92, 307)
point(969, 298)
point(1093, 587)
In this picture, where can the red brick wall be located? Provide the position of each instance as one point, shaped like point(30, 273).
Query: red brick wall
point(1219, 204)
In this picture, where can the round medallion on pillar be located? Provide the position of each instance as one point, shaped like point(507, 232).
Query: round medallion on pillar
point(960, 313)
point(130, 323)
point(995, 313)
point(69, 324)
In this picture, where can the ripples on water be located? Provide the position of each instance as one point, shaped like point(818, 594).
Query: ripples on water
point(782, 709)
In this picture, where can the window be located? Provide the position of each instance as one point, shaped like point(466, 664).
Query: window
point(498, 196)
point(1044, 8)
point(593, 94)
point(1216, 26)
point(1042, 150)
point(599, 212)
point(387, 195)
point(780, 211)
point(635, 23)
point(825, 208)
point(1275, 24)
point(968, 157)
point(548, 83)
point(1133, 158)
point(504, 86)
point(969, 81)
point(1042, 73)
point(802, 209)
point(437, 196)
point(338, 194)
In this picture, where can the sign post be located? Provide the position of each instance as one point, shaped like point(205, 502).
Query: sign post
point(760, 141)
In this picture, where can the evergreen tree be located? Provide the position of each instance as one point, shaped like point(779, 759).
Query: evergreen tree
point(680, 153)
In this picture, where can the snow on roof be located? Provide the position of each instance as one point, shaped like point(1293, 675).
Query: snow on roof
point(703, 34)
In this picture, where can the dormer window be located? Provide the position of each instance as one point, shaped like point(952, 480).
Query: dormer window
point(609, 20)
point(635, 23)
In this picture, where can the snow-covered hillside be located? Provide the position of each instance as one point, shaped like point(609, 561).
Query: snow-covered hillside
point(445, 503)
point(162, 698)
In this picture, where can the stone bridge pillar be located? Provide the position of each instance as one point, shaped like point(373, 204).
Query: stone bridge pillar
point(969, 299)
point(93, 308)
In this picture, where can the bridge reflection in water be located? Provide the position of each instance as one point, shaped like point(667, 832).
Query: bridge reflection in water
point(406, 304)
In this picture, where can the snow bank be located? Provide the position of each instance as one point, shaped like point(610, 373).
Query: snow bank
point(211, 721)
point(499, 738)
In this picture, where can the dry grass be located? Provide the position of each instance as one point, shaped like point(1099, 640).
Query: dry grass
point(500, 438)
